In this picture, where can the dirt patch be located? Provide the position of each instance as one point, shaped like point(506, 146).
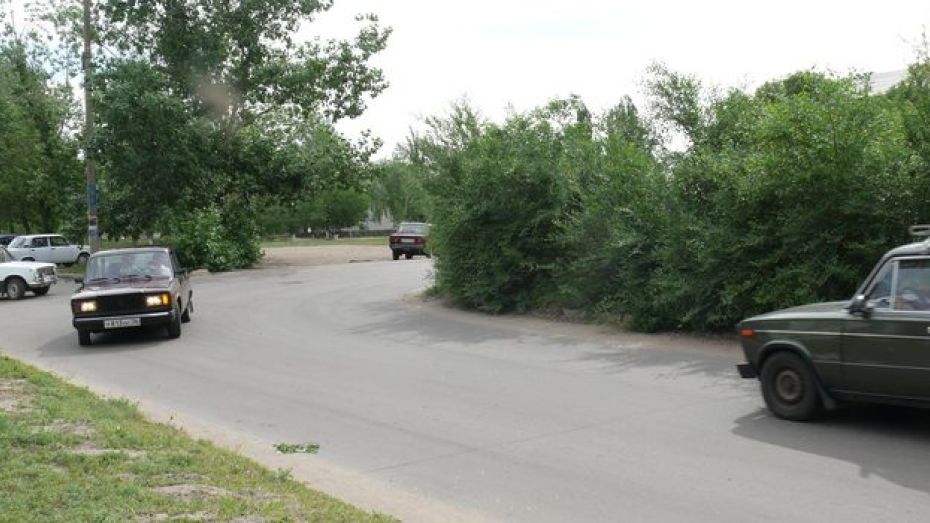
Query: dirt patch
point(191, 516)
point(89, 449)
point(14, 395)
point(181, 477)
point(191, 492)
point(75, 428)
point(323, 255)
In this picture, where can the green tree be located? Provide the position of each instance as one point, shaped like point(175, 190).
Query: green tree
point(342, 209)
point(397, 191)
point(213, 105)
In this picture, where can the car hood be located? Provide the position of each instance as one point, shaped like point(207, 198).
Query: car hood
point(809, 310)
point(91, 290)
point(26, 265)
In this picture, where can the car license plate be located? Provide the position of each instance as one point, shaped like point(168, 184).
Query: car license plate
point(406, 240)
point(122, 323)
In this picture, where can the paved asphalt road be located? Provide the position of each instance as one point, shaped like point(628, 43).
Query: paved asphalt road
point(506, 419)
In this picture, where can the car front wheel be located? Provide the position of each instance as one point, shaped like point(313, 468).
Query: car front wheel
point(789, 387)
point(174, 328)
point(15, 288)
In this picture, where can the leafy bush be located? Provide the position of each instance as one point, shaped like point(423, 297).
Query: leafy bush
point(216, 239)
point(779, 197)
point(501, 198)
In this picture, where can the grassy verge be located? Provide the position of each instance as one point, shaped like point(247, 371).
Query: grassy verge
point(68, 455)
point(315, 242)
point(75, 270)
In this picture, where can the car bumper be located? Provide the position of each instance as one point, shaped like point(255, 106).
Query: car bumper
point(43, 281)
point(146, 320)
point(747, 371)
point(408, 247)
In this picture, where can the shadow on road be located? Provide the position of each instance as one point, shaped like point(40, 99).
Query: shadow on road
point(422, 326)
point(105, 343)
point(677, 363)
point(852, 434)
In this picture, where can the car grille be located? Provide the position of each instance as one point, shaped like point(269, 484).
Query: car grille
point(120, 303)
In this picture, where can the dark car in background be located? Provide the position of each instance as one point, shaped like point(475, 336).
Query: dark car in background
point(132, 288)
point(872, 348)
point(410, 239)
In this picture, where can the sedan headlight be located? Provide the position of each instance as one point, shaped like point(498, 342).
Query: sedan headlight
point(158, 300)
point(89, 306)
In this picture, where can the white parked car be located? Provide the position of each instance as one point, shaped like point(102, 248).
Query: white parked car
point(49, 248)
point(17, 277)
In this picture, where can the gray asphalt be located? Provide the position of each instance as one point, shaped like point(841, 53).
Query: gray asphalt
point(509, 419)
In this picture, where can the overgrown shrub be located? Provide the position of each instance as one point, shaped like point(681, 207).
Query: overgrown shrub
point(769, 199)
point(216, 239)
point(501, 197)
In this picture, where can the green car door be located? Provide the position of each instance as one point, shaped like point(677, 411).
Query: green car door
point(886, 350)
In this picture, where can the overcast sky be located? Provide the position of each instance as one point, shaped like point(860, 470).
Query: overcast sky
point(520, 53)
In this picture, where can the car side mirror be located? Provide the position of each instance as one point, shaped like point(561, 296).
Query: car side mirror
point(860, 306)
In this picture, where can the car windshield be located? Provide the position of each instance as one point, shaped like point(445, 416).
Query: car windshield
point(18, 241)
point(126, 266)
point(413, 228)
point(5, 256)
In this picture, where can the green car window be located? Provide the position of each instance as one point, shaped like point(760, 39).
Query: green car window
point(912, 289)
point(880, 295)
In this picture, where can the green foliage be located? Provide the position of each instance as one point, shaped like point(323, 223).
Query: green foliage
point(331, 211)
point(397, 191)
point(40, 181)
point(295, 448)
point(501, 199)
point(218, 239)
point(206, 103)
point(344, 208)
point(781, 197)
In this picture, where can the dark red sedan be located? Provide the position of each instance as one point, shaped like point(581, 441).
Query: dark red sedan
point(410, 239)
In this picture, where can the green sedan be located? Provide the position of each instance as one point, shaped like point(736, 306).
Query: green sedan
point(873, 348)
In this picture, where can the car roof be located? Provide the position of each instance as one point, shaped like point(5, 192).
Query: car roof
point(132, 250)
point(36, 235)
point(911, 249)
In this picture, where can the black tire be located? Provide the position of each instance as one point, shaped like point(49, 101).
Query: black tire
point(790, 388)
point(186, 317)
point(16, 288)
point(395, 255)
point(41, 291)
point(174, 328)
point(84, 338)
point(408, 255)
point(83, 257)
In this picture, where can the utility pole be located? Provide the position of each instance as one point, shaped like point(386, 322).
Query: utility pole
point(90, 166)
